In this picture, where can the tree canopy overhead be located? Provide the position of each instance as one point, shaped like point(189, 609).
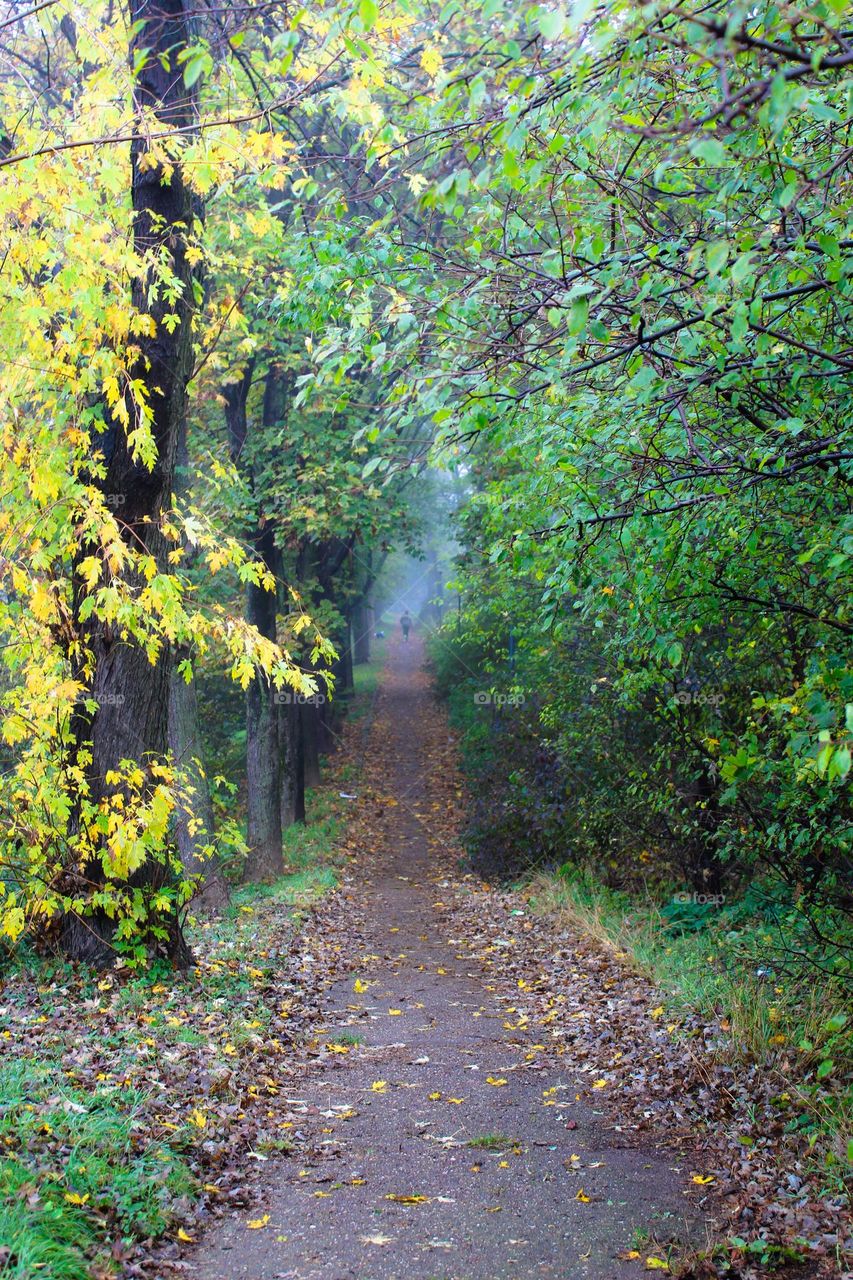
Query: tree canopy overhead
point(261, 264)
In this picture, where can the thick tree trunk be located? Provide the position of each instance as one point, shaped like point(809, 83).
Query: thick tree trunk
point(292, 762)
point(131, 721)
point(309, 718)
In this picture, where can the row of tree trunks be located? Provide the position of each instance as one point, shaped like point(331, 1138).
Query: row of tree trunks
point(132, 719)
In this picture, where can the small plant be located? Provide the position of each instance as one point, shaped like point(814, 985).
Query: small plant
point(492, 1142)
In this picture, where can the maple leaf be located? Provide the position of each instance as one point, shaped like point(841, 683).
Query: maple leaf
point(256, 1224)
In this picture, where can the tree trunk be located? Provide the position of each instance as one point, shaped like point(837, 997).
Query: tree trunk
point(362, 625)
point(131, 721)
point(195, 823)
point(195, 826)
point(263, 752)
point(292, 762)
point(309, 718)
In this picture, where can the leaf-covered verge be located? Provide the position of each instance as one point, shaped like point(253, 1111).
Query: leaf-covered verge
point(652, 1065)
point(131, 1105)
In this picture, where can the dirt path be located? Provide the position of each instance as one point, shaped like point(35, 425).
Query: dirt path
point(439, 1145)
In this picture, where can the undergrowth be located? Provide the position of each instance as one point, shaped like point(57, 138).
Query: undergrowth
point(705, 958)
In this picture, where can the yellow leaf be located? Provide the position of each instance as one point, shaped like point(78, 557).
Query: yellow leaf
point(656, 1264)
point(394, 1013)
point(599, 1084)
point(360, 987)
point(255, 1224)
point(497, 1081)
point(582, 1196)
point(198, 1118)
point(702, 1179)
point(431, 61)
point(379, 1086)
point(434, 1097)
point(185, 1236)
point(398, 1199)
point(658, 1012)
point(73, 1198)
point(455, 1101)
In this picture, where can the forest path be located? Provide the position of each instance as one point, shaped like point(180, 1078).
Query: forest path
point(385, 1183)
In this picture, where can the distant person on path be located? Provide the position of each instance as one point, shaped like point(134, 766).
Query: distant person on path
point(406, 625)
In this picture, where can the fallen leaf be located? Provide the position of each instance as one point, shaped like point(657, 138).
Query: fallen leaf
point(497, 1081)
point(255, 1224)
point(400, 1199)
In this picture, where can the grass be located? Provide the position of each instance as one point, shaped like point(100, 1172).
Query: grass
point(709, 961)
point(345, 1037)
point(90, 1152)
point(94, 1170)
point(492, 1142)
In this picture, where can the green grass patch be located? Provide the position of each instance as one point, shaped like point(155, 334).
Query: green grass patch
point(492, 1142)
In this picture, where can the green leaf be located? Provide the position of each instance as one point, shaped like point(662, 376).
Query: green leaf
point(709, 149)
point(551, 23)
point(368, 11)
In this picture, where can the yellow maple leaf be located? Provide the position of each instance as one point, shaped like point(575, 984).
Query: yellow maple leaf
point(255, 1224)
point(599, 1084)
point(360, 987)
point(582, 1196)
point(434, 1097)
point(73, 1198)
point(432, 61)
point(198, 1118)
point(379, 1086)
point(658, 1012)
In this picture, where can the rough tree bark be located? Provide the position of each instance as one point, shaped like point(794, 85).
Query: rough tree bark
point(132, 694)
